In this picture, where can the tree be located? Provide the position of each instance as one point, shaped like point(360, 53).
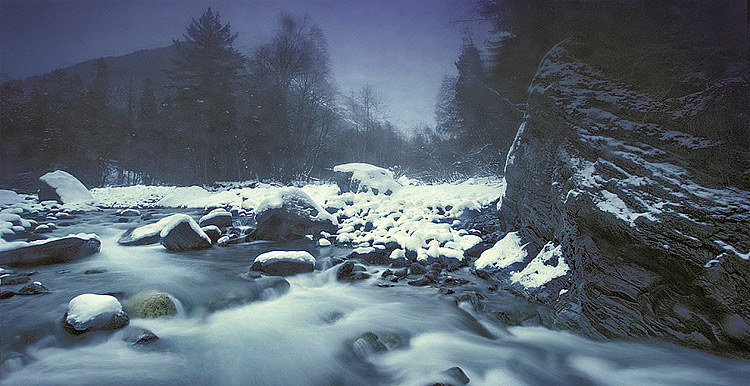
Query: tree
point(446, 108)
point(205, 78)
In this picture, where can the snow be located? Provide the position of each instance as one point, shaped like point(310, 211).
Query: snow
point(86, 307)
point(505, 252)
point(177, 219)
point(214, 214)
point(537, 272)
point(294, 194)
point(510, 159)
point(687, 140)
point(8, 197)
point(727, 247)
point(180, 196)
point(67, 187)
point(369, 177)
point(285, 256)
point(152, 229)
point(610, 202)
point(324, 243)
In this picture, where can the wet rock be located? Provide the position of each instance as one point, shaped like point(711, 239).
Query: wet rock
point(421, 282)
point(367, 344)
point(401, 273)
point(89, 312)
point(152, 305)
point(138, 335)
point(417, 269)
point(284, 263)
point(456, 376)
point(213, 232)
point(123, 220)
point(52, 251)
point(35, 288)
point(291, 215)
point(371, 255)
point(14, 279)
point(94, 271)
point(351, 272)
point(217, 217)
point(6, 294)
point(182, 233)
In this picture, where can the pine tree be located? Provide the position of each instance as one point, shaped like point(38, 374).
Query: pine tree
point(206, 75)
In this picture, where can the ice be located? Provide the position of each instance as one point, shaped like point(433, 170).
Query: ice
point(539, 271)
point(67, 187)
point(505, 252)
point(289, 256)
point(84, 308)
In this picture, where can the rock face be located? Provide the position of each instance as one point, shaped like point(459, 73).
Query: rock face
point(63, 187)
point(655, 237)
point(290, 215)
point(182, 233)
point(89, 312)
point(361, 177)
point(284, 263)
point(51, 251)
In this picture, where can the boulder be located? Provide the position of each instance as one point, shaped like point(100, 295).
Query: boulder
point(138, 335)
point(50, 251)
point(35, 288)
point(62, 187)
point(182, 233)
point(213, 232)
point(89, 312)
point(371, 255)
point(152, 305)
point(291, 214)
point(361, 177)
point(147, 234)
point(351, 272)
point(284, 263)
point(217, 217)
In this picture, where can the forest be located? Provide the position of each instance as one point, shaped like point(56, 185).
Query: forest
point(275, 113)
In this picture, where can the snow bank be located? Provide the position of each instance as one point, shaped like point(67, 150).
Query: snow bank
point(367, 178)
point(285, 256)
point(85, 308)
point(179, 197)
point(67, 187)
point(8, 197)
point(540, 270)
point(505, 252)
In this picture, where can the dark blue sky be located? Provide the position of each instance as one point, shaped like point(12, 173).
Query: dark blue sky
point(403, 48)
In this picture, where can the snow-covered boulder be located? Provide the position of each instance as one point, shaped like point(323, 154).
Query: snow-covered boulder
point(284, 263)
point(219, 217)
point(62, 187)
point(89, 312)
point(182, 233)
point(361, 177)
point(147, 234)
point(291, 214)
point(9, 197)
point(50, 251)
point(213, 232)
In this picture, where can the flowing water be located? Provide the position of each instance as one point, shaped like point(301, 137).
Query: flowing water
point(232, 329)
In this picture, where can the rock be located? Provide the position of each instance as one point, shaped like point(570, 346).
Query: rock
point(6, 294)
point(371, 255)
point(361, 177)
point(152, 305)
point(367, 344)
point(130, 213)
point(138, 335)
point(290, 214)
point(64, 188)
point(89, 312)
point(217, 217)
point(324, 242)
point(351, 272)
point(94, 271)
point(123, 220)
point(182, 233)
point(284, 263)
point(42, 228)
point(13, 279)
point(35, 288)
point(457, 374)
point(51, 251)
point(213, 232)
point(421, 282)
point(223, 241)
point(401, 273)
point(652, 254)
point(417, 269)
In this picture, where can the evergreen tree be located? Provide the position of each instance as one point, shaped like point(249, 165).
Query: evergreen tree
point(205, 78)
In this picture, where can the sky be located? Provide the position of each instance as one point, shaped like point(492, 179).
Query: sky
point(402, 48)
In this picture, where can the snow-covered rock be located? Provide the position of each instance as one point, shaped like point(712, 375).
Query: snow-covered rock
point(219, 217)
point(89, 312)
point(213, 232)
point(144, 235)
point(180, 197)
point(547, 265)
point(182, 233)
point(61, 186)
point(9, 197)
point(509, 250)
point(50, 251)
point(291, 214)
point(361, 177)
point(284, 263)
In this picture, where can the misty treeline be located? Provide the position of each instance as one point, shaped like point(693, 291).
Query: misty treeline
point(275, 112)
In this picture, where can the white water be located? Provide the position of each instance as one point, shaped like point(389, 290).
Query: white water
point(305, 336)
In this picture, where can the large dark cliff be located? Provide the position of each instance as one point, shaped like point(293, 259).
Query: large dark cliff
point(645, 196)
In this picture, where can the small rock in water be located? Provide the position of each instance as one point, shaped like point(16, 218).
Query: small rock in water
point(138, 335)
point(417, 269)
point(123, 220)
point(130, 213)
point(153, 305)
point(14, 280)
point(6, 294)
point(213, 232)
point(284, 263)
point(351, 272)
point(94, 312)
point(94, 271)
point(217, 217)
point(35, 288)
point(458, 375)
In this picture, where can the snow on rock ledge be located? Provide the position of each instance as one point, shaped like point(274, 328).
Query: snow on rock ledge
point(94, 312)
point(361, 177)
point(505, 252)
point(547, 265)
point(284, 263)
point(61, 186)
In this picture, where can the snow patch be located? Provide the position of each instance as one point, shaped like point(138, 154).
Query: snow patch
point(540, 270)
point(86, 307)
point(286, 256)
point(505, 252)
